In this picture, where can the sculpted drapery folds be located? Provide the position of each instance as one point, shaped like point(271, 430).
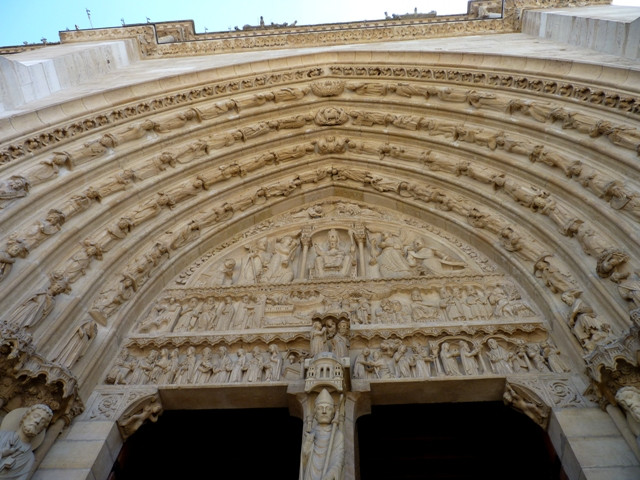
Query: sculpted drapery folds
point(16, 457)
point(323, 444)
point(333, 259)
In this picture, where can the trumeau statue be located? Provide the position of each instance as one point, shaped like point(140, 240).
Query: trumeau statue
point(629, 399)
point(16, 456)
point(323, 444)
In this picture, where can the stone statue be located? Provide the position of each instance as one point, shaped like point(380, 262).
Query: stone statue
point(81, 260)
point(204, 367)
point(391, 261)
point(279, 269)
point(225, 314)
point(42, 229)
point(245, 313)
point(533, 351)
point(555, 361)
point(318, 338)
point(110, 299)
point(187, 367)
point(240, 366)
point(333, 260)
point(468, 358)
point(430, 261)
point(340, 341)
point(363, 312)
point(223, 370)
point(361, 366)
point(133, 418)
point(629, 399)
point(273, 367)
point(404, 361)
point(16, 456)
point(224, 276)
point(189, 316)
point(15, 187)
point(323, 445)
point(449, 360)
point(584, 322)
point(255, 263)
point(255, 367)
point(207, 320)
point(31, 312)
point(556, 280)
point(630, 290)
point(162, 316)
point(421, 311)
point(527, 404)
point(499, 358)
point(15, 248)
point(121, 369)
point(380, 365)
point(78, 344)
point(422, 360)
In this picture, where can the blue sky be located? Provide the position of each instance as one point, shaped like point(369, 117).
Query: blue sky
point(32, 20)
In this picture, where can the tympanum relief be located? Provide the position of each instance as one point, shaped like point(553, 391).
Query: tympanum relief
point(391, 300)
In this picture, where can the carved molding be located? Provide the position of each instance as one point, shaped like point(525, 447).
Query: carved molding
point(153, 40)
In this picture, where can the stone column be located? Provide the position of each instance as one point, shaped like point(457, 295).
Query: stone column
point(305, 239)
point(360, 236)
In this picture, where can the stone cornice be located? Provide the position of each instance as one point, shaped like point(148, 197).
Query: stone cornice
point(177, 39)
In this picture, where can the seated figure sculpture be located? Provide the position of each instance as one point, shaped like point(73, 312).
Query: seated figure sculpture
point(333, 260)
point(16, 455)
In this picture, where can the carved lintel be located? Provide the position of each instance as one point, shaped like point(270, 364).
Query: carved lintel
point(147, 408)
point(528, 402)
point(28, 378)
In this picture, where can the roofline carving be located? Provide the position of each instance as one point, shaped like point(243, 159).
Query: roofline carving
point(167, 39)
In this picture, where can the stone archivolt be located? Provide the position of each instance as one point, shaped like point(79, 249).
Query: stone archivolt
point(144, 190)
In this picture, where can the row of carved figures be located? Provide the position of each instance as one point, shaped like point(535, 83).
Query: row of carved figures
point(338, 253)
point(540, 111)
point(455, 357)
point(173, 366)
point(322, 88)
point(228, 313)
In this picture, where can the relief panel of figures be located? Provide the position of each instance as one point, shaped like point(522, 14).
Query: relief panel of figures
point(454, 356)
point(209, 364)
point(441, 302)
point(320, 252)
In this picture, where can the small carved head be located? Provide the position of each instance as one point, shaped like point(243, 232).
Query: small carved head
point(324, 407)
point(35, 420)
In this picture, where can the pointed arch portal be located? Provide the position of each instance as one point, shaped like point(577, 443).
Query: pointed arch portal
point(453, 226)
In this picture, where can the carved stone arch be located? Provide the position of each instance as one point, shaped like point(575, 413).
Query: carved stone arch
point(530, 162)
point(129, 314)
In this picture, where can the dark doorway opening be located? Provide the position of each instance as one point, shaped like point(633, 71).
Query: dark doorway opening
point(185, 444)
point(454, 441)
